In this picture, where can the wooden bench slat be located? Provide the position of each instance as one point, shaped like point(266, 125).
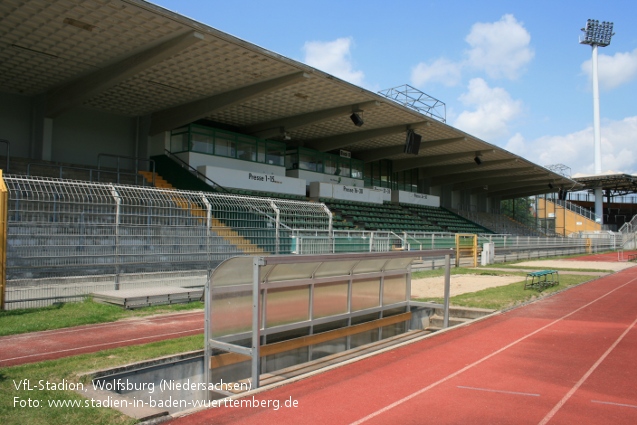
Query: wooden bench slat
point(227, 359)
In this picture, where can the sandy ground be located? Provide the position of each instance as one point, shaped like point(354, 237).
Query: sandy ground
point(584, 265)
point(460, 284)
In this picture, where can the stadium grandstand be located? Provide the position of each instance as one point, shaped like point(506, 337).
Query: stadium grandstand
point(142, 147)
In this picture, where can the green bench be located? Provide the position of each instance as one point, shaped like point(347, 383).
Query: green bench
point(541, 279)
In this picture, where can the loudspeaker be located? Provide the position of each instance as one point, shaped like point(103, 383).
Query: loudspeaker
point(415, 144)
point(412, 142)
point(356, 119)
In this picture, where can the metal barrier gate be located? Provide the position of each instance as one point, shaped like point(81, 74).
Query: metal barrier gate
point(466, 246)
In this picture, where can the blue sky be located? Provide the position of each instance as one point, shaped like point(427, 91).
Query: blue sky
point(510, 72)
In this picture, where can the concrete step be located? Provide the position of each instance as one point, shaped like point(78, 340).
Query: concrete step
point(465, 312)
point(437, 321)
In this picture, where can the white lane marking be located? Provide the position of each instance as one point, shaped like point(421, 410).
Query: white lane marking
point(579, 383)
point(498, 391)
point(482, 360)
point(614, 404)
point(99, 345)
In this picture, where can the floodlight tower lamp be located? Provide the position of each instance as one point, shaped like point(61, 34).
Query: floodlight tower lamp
point(596, 34)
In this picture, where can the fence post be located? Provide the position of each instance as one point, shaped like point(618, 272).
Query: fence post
point(4, 207)
point(445, 319)
point(118, 203)
point(256, 325)
point(278, 225)
point(207, 299)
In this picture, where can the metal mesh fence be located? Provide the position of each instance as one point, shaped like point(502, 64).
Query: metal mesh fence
point(66, 239)
point(342, 241)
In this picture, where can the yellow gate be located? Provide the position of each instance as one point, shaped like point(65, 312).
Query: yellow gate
point(466, 246)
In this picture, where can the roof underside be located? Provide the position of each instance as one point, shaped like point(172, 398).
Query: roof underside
point(615, 184)
point(132, 58)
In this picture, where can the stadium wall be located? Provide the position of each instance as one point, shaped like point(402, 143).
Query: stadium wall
point(566, 222)
point(80, 135)
point(76, 137)
point(15, 111)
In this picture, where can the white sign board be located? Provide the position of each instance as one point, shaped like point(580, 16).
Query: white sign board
point(347, 193)
point(400, 196)
point(311, 176)
point(239, 179)
point(386, 193)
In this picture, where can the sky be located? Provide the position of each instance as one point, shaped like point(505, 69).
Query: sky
point(511, 73)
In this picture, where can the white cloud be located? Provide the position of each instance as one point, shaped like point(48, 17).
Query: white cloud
point(501, 49)
point(613, 71)
point(441, 70)
point(575, 150)
point(334, 58)
point(494, 109)
point(516, 145)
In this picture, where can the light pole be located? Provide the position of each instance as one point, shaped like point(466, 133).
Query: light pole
point(597, 34)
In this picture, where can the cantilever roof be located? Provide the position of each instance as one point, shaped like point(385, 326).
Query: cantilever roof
point(617, 184)
point(133, 58)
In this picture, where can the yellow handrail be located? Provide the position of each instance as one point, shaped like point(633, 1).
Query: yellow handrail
point(4, 208)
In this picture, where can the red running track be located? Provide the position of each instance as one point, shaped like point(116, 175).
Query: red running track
point(47, 345)
point(607, 257)
point(38, 346)
point(566, 359)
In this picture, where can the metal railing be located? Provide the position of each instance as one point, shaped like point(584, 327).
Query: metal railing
point(499, 223)
point(629, 227)
point(513, 248)
point(588, 197)
point(88, 174)
point(629, 234)
point(119, 171)
point(194, 171)
point(577, 209)
point(66, 239)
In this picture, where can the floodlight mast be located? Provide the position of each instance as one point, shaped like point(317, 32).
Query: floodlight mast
point(597, 34)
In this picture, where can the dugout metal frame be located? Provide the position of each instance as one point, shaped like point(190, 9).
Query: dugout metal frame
point(270, 295)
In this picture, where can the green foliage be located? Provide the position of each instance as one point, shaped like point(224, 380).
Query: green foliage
point(519, 209)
